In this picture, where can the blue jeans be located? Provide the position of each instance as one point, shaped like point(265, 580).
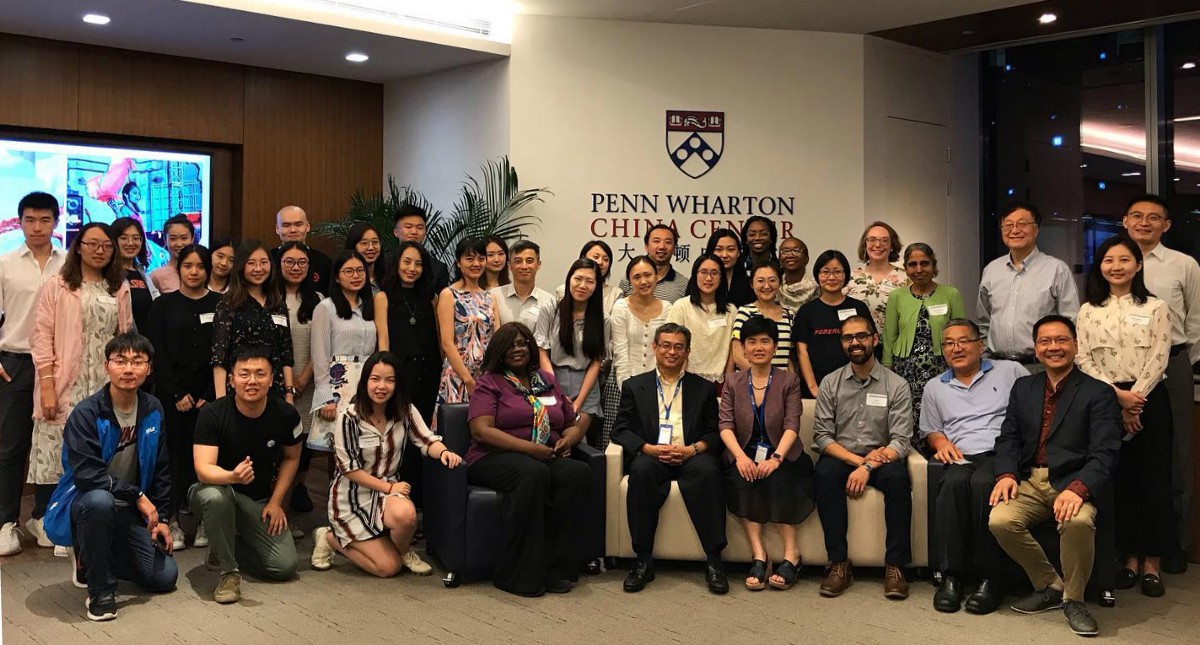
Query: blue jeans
point(112, 542)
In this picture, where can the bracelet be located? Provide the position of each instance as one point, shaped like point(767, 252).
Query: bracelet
point(42, 378)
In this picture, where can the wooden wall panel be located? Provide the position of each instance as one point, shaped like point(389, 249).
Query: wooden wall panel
point(309, 141)
point(124, 92)
point(39, 83)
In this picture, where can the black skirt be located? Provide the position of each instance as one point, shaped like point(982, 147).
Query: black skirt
point(786, 497)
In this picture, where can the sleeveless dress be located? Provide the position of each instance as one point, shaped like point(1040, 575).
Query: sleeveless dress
point(473, 329)
point(921, 364)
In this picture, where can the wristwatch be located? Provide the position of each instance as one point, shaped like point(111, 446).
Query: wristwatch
point(777, 457)
point(868, 466)
point(291, 389)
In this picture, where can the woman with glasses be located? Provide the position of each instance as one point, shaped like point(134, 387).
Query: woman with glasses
point(872, 283)
point(818, 325)
point(765, 280)
point(726, 246)
point(134, 259)
point(634, 320)
point(364, 238)
point(912, 329)
point(1124, 337)
point(181, 324)
point(497, 262)
point(467, 318)
point(78, 311)
point(523, 428)
point(706, 311)
point(343, 336)
point(300, 296)
point(798, 288)
point(253, 312)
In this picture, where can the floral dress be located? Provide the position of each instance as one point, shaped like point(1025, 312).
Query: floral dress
point(922, 364)
point(875, 294)
point(99, 318)
point(473, 329)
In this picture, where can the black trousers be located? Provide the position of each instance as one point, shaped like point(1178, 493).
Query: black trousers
point(421, 375)
point(829, 486)
point(965, 544)
point(703, 493)
point(16, 435)
point(113, 543)
point(181, 427)
point(543, 512)
point(1144, 512)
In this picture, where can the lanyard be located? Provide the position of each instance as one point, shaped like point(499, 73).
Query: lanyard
point(760, 411)
point(662, 399)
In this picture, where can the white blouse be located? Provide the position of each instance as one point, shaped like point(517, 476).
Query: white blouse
point(633, 340)
point(1122, 341)
point(332, 336)
point(711, 330)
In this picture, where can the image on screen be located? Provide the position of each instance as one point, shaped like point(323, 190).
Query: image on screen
point(100, 184)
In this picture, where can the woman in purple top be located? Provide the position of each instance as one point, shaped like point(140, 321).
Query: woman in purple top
point(522, 431)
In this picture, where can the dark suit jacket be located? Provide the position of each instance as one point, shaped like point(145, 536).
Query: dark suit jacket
point(637, 414)
point(1085, 434)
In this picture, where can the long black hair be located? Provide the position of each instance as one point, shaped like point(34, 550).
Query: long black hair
point(365, 298)
point(496, 354)
point(693, 285)
point(202, 253)
point(503, 277)
point(1098, 290)
point(389, 280)
point(594, 346)
point(357, 232)
point(309, 298)
point(122, 224)
point(591, 244)
point(397, 408)
point(717, 236)
point(237, 294)
point(72, 270)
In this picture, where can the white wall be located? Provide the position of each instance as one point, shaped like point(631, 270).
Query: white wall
point(440, 127)
point(589, 99)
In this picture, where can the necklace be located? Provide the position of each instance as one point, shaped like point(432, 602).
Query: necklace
point(412, 315)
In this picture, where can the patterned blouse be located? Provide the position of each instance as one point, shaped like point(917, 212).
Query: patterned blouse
point(1122, 341)
point(797, 294)
point(783, 350)
point(253, 324)
point(875, 294)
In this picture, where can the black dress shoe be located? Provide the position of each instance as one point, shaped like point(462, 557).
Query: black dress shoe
point(985, 600)
point(641, 573)
point(559, 586)
point(1080, 619)
point(1126, 578)
point(1152, 586)
point(1174, 564)
point(949, 596)
point(714, 575)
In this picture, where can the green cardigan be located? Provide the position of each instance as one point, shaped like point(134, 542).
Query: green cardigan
point(900, 321)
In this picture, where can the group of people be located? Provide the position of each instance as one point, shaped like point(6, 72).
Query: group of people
point(262, 357)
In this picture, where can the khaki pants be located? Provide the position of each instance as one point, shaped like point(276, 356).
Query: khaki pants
point(1034, 504)
point(238, 535)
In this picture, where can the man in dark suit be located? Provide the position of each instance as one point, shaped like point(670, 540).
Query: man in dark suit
point(667, 424)
point(1056, 450)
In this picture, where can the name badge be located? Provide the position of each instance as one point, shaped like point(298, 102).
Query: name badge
point(1137, 319)
point(716, 322)
point(665, 430)
point(279, 319)
point(369, 440)
point(877, 400)
point(939, 310)
point(106, 299)
point(206, 318)
point(760, 453)
point(548, 400)
point(843, 314)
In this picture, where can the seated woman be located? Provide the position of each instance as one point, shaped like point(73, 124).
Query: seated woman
point(522, 425)
point(367, 501)
point(769, 479)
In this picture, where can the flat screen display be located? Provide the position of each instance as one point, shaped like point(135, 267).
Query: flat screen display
point(100, 184)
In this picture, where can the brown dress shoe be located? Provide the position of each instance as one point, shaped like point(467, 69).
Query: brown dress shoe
point(838, 577)
point(895, 587)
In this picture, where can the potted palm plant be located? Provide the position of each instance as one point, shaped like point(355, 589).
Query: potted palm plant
point(378, 210)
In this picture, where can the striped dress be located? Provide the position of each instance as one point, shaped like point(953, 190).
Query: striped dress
point(783, 350)
point(356, 512)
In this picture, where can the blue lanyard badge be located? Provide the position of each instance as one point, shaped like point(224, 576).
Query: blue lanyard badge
point(665, 428)
point(763, 446)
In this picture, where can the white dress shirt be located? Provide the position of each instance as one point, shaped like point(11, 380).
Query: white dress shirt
point(1174, 278)
point(20, 279)
point(511, 308)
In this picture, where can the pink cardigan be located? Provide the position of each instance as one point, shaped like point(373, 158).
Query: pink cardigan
point(57, 336)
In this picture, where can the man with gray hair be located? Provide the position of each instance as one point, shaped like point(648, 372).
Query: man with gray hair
point(963, 410)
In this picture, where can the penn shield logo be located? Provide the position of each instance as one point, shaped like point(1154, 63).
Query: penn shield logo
point(695, 140)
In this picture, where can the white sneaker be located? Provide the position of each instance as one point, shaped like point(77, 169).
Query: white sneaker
point(201, 539)
point(10, 542)
point(322, 554)
point(416, 564)
point(178, 543)
point(62, 551)
point(34, 528)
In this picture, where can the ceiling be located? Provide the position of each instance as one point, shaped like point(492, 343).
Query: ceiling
point(846, 16)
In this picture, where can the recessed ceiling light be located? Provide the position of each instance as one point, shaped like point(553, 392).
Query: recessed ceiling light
point(1188, 65)
point(1047, 18)
point(356, 57)
point(96, 19)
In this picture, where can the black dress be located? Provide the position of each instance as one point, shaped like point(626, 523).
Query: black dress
point(413, 338)
point(253, 324)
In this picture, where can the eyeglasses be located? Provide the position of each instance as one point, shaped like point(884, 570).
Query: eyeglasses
point(369, 243)
point(861, 337)
point(130, 239)
point(1024, 225)
point(879, 240)
point(961, 342)
point(121, 362)
point(708, 273)
point(1059, 340)
point(353, 271)
point(678, 348)
point(98, 246)
point(520, 343)
point(1153, 218)
point(289, 263)
point(831, 273)
point(785, 252)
